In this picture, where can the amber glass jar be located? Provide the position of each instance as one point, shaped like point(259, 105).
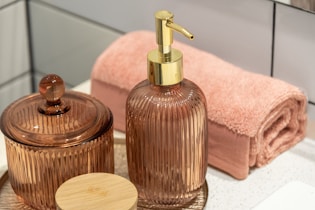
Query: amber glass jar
point(53, 136)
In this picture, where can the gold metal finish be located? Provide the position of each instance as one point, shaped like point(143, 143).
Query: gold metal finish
point(165, 65)
point(165, 73)
point(180, 29)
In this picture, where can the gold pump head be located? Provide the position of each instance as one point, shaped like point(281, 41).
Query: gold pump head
point(165, 65)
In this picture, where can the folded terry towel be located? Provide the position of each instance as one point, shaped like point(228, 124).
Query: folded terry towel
point(251, 118)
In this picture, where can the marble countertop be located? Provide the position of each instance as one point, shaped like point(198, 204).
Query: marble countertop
point(277, 184)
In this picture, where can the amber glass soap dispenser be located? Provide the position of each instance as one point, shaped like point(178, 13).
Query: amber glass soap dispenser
point(166, 126)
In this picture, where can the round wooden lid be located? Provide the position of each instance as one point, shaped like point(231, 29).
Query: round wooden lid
point(97, 191)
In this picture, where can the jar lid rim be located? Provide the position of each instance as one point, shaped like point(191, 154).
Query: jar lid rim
point(87, 119)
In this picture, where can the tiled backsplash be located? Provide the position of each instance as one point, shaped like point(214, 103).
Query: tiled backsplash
point(5, 2)
point(14, 52)
point(65, 44)
point(238, 31)
point(17, 88)
point(294, 50)
point(68, 36)
point(294, 57)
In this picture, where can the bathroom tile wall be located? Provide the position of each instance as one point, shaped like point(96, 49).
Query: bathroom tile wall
point(237, 31)
point(311, 114)
point(17, 88)
point(294, 50)
point(15, 78)
point(66, 44)
point(234, 30)
point(69, 35)
point(5, 2)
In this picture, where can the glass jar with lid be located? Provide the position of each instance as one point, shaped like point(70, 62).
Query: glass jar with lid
point(53, 136)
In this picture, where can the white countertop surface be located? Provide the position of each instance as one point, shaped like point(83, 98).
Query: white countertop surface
point(287, 182)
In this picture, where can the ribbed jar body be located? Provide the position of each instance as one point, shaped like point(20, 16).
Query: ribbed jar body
point(36, 172)
point(166, 137)
point(43, 150)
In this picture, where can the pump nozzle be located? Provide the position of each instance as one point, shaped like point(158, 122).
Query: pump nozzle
point(164, 30)
point(180, 29)
point(165, 64)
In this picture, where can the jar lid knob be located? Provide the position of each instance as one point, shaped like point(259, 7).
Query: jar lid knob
point(52, 88)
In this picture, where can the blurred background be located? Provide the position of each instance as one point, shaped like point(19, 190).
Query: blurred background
point(274, 38)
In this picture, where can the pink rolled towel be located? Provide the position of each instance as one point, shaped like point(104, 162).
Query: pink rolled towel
point(251, 118)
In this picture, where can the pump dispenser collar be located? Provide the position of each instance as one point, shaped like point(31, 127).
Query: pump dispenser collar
point(165, 65)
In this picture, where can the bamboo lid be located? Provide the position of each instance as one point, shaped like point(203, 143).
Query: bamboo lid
point(97, 191)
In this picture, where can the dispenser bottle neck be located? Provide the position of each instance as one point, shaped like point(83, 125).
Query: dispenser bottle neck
point(165, 65)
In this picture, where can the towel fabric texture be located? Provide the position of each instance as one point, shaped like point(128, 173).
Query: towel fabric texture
point(252, 118)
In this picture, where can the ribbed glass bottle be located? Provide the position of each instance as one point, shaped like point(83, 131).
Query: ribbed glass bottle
point(166, 137)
